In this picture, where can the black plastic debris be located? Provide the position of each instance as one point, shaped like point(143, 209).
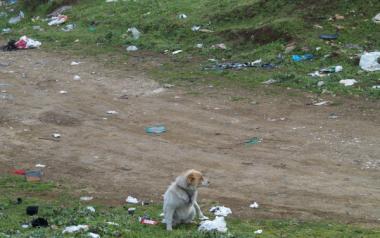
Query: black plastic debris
point(10, 46)
point(32, 210)
point(40, 222)
point(18, 201)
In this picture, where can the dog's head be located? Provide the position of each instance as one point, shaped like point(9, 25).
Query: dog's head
point(195, 179)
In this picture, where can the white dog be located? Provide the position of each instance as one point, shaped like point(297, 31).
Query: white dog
point(180, 200)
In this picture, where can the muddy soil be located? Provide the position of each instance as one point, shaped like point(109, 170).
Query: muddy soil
point(308, 166)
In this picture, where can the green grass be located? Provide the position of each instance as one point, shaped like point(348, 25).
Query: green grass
point(236, 23)
point(61, 210)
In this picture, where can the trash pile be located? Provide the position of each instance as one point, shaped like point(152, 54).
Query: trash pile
point(23, 43)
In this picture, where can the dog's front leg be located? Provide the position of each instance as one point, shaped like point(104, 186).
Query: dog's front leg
point(199, 212)
point(169, 213)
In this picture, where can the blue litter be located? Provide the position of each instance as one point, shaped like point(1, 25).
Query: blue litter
point(298, 58)
point(328, 36)
point(155, 129)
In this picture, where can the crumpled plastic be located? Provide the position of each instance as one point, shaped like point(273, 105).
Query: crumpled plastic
point(17, 19)
point(219, 224)
point(27, 43)
point(370, 61)
point(72, 229)
point(57, 20)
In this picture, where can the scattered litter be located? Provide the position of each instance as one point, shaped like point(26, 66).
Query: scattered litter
point(177, 52)
point(72, 229)
point(23, 43)
point(326, 71)
point(276, 119)
point(254, 205)
point(370, 61)
point(376, 19)
point(132, 48)
point(6, 30)
point(76, 77)
point(112, 223)
point(328, 36)
point(19, 172)
point(86, 198)
point(206, 30)
point(333, 116)
point(17, 19)
point(158, 90)
point(182, 16)
point(219, 224)
point(93, 235)
point(18, 201)
point(60, 11)
point(199, 46)
point(131, 211)
point(158, 129)
point(112, 112)
point(68, 27)
point(135, 33)
point(299, 58)
point(40, 222)
point(195, 28)
point(270, 81)
point(221, 211)
point(90, 208)
point(31, 210)
point(253, 141)
point(332, 69)
point(33, 175)
point(320, 83)
point(57, 20)
point(145, 221)
point(132, 200)
point(56, 135)
point(73, 63)
point(348, 82)
point(25, 226)
point(258, 232)
point(37, 28)
point(168, 85)
point(338, 17)
point(376, 87)
point(219, 46)
point(321, 103)
point(256, 63)
point(63, 92)
point(40, 165)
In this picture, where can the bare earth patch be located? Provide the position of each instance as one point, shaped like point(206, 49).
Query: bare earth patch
point(308, 166)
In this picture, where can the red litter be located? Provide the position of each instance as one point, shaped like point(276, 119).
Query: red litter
point(19, 171)
point(148, 222)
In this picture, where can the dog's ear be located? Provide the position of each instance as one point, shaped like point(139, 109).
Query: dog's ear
point(190, 178)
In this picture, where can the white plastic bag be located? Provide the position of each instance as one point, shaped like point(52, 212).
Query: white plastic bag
point(369, 61)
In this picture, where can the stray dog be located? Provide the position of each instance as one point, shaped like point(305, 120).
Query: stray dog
point(180, 199)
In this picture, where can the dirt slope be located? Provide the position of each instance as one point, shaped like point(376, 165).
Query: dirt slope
point(308, 166)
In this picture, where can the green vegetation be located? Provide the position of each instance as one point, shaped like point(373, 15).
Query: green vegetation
point(61, 210)
point(251, 29)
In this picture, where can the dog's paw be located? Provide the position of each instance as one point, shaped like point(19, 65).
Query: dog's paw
point(204, 218)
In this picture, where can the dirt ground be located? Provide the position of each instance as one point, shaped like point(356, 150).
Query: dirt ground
point(308, 166)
